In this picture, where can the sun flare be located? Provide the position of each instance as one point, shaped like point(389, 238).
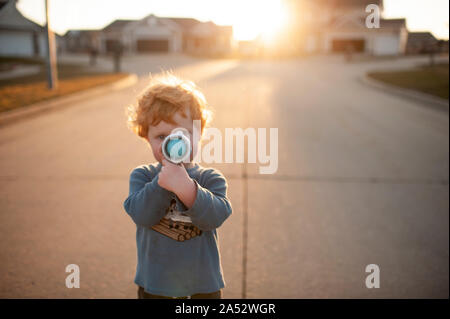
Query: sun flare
point(254, 19)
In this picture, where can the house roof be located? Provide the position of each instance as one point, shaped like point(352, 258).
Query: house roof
point(349, 22)
point(393, 23)
point(12, 19)
point(348, 3)
point(81, 31)
point(184, 23)
point(414, 37)
point(117, 25)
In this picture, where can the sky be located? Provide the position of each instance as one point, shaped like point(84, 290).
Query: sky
point(248, 17)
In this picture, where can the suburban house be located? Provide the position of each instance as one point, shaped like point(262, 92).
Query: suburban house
point(18, 35)
point(420, 42)
point(154, 34)
point(150, 34)
point(333, 26)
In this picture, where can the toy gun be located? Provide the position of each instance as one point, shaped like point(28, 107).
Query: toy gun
point(176, 147)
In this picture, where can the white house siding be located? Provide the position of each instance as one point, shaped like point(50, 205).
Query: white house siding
point(177, 42)
point(16, 43)
point(42, 40)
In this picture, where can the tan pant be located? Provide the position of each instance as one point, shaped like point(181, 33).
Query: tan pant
point(142, 294)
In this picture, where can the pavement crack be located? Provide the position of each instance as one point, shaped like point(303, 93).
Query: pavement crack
point(244, 230)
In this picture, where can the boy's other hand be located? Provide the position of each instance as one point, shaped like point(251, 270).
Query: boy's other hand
point(172, 176)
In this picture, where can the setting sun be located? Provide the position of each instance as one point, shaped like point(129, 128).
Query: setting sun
point(257, 18)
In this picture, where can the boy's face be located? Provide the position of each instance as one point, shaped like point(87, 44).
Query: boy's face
point(157, 134)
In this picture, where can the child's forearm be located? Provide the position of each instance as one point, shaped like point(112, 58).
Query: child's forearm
point(147, 201)
point(211, 206)
point(187, 193)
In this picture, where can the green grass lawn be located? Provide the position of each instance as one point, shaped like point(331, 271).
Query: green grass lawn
point(22, 91)
point(428, 79)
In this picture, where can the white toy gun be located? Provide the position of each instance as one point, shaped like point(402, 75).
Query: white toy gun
point(176, 147)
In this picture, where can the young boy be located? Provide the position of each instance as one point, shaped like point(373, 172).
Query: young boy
point(176, 259)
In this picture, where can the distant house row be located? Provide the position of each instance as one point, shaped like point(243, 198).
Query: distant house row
point(318, 26)
point(20, 36)
point(333, 26)
point(154, 34)
point(328, 26)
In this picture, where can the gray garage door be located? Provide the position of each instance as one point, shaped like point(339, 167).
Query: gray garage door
point(152, 45)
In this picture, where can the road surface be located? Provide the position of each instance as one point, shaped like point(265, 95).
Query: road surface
point(362, 179)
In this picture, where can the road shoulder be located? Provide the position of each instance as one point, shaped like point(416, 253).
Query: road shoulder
point(422, 98)
point(15, 115)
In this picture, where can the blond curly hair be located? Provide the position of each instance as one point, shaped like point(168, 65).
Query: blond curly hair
point(165, 95)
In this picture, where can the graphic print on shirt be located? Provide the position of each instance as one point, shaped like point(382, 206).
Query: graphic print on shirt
point(176, 225)
point(174, 214)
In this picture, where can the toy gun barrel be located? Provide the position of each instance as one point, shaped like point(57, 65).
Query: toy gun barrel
point(176, 148)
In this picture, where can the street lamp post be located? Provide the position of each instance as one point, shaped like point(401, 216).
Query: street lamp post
point(52, 72)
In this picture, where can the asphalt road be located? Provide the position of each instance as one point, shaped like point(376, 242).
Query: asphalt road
point(362, 179)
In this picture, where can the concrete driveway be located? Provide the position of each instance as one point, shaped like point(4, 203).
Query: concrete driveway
point(362, 179)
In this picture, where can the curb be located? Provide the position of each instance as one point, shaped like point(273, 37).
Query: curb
point(32, 110)
point(422, 98)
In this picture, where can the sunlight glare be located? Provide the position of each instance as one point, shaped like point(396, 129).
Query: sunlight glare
point(264, 18)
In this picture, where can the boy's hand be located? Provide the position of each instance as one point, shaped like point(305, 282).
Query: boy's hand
point(175, 179)
point(171, 175)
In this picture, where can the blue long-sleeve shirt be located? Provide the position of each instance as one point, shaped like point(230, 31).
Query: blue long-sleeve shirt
point(168, 267)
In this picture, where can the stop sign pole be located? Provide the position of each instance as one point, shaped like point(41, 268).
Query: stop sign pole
point(52, 72)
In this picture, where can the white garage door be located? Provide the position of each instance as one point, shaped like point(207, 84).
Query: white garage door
point(16, 43)
point(386, 45)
